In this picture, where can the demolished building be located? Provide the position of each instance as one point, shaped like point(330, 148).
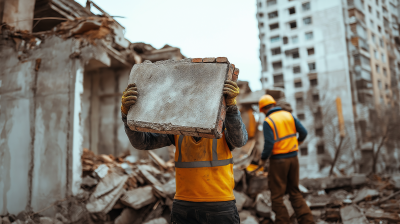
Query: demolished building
point(63, 72)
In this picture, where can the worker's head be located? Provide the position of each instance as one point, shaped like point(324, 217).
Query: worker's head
point(266, 103)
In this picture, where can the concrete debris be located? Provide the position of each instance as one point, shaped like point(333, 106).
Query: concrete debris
point(89, 181)
point(366, 194)
point(157, 221)
point(352, 214)
point(102, 171)
point(139, 197)
point(250, 220)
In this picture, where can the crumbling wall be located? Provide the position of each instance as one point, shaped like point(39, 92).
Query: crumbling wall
point(17, 13)
point(37, 101)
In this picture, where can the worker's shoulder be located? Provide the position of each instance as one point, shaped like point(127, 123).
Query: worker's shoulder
point(281, 114)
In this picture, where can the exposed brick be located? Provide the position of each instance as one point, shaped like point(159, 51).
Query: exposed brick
point(223, 112)
point(174, 132)
point(204, 135)
point(189, 129)
point(200, 130)
point(141, 129)
point(208, 60)
point(230, 72)
point(220, 125)
point(197, 60)
point(222, 60)
point(133, 128)
point(190, 133)
point(235, 75)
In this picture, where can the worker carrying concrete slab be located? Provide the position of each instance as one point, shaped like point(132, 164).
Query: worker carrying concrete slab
point(280, 133)
point(204, 167)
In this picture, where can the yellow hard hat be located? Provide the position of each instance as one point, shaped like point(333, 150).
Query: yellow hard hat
point(265, 101)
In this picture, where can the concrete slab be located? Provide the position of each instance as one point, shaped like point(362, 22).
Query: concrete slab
point(180, 97)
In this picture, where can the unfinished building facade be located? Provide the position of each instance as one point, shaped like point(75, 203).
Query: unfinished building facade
point(63, 73)
point(318, 51)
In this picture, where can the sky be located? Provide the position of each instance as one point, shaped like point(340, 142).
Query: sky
point(207, 28)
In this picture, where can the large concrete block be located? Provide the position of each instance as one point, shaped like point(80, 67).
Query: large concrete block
point(181, 97)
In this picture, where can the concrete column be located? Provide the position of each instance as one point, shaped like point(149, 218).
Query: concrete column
point(17, 13)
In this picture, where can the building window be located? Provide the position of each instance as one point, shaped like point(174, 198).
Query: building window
point(307, 20)
point(377, 69)
point(370, 9)
point(261, 15)
point(299, 100)
point(276, 51)
point(320, 149)
point(378, 15)
point(275, 39)
point(285, 40)
point(373, 37)
point(318, 115)
point(381, 42)
point(298, 84)
point(384, 72)
point(311, 66)
point(306, 6)
point(293, 25)
point(274, 26)
point(383, 57)
point(319, 132)
point(292, 10)
point(376, 54)
point(295, 39)
point(261, 25)
point(309, 35)
point(271, 2)
point(315, 97)
point(260, 4)
point(379, 84)
point(379, 29)
point(304, 151)
point(310, 51)
point(295, 54)
point(272, 15)
point(296, 69)
point(377, 2)
point(301, 116)
point(371, 23)
point(314, 82)
point(277, 65)
point(386, 86)
point(278, 78)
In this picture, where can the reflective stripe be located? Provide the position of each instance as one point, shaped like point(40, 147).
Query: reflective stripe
point(276, 133)
point(198, 164)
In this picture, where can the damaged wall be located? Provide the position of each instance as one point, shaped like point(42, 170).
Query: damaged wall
point(18, 13)
point(36, 95)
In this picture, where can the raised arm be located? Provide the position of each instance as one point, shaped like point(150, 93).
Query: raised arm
point(141, 140)
point(235, 132)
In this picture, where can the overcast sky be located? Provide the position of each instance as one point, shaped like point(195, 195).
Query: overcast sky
point(207, 28)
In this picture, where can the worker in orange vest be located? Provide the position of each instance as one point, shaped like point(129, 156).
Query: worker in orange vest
point(280, 132)
point(204, 167)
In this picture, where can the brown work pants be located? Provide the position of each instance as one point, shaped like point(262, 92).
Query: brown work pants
point(284, 179)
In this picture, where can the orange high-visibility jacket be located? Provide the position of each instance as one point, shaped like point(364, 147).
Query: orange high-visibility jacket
point(204, 170)
point(283, 125)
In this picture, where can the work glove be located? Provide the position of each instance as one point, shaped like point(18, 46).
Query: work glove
point(262, 162)
point(231, 91)
point(129, 97)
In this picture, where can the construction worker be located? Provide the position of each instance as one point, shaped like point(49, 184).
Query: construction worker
point(204, 167)
point(280, 130)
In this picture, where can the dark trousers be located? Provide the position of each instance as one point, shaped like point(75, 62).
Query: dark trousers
point(184, 212)
point(283, 178)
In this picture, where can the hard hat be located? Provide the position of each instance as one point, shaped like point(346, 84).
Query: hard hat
point(265, 101)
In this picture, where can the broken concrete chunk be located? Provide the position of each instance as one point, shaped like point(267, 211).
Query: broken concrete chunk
point(106, 193)
point(238, 174)
point(127, 168)
point(358, 179)
point(89, 182)
point(127, 216)
point(396, 181)
point(102, 170)
point(240, 199)
point(131, 159)
point(263, 209)
point(166, 89)
point(380, 214)
point(351, 214)
point(250, 220)
point(303, 189)
point(61, 218)
point(365, 193)
point(157, 221)
point(46, 220)
point(332, 214)
point(288, 205)
point(148, 177)
point(139, 197)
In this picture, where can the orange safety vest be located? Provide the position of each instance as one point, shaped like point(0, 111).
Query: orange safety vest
point(282, 124)
point(204, 170)
point(251, 129)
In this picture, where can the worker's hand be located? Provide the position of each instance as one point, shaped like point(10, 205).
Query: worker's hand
point(262, 162)
point(231, 91)
point(129, 98)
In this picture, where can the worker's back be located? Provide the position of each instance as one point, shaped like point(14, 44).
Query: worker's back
point(283, 125)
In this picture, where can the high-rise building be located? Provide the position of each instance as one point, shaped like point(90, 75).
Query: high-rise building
point(318, 51)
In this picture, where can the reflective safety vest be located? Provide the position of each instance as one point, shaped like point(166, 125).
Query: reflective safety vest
point(284, 128)
point(204, 170)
